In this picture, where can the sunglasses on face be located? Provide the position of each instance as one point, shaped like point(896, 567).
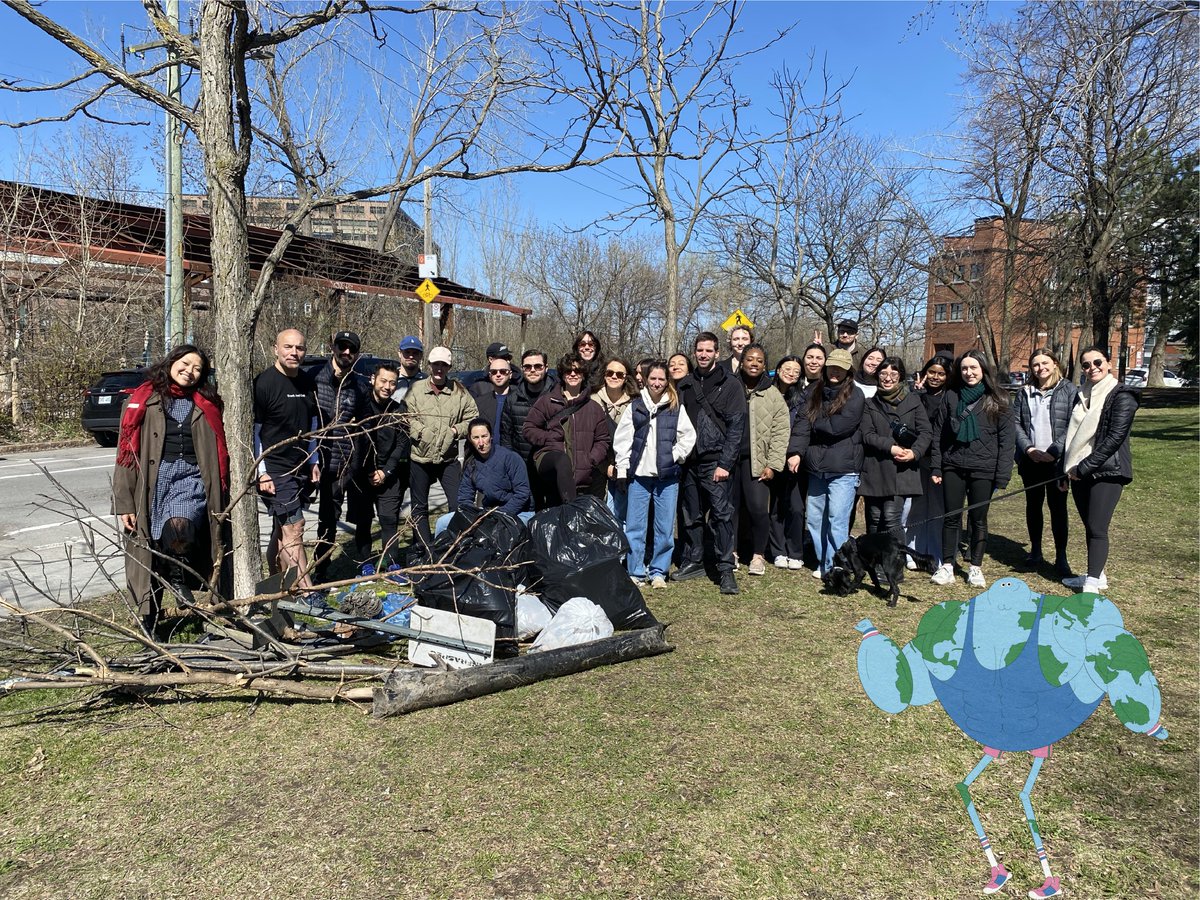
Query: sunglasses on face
point(533, 367)
point(587, 343)
point(573, 372)
point(1094, 364)
point(613, 373)
point(498, 371)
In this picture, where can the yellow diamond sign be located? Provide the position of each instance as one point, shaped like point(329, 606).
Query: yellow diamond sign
point(427, 290)
point(738, 318)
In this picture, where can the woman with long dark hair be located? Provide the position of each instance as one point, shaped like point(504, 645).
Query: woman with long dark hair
point(896, 436)
point(785, 542)
point(679, 366)
point(1043, 415)
point(170, 482)
point(866, 377)
point(1097, 460)
point(973, 445)
point(652, 440)
point(587, 348)
point(813, 364)
point(922, 516)
point(827, 438)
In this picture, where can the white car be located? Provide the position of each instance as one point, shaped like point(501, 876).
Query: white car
point(1137, 378)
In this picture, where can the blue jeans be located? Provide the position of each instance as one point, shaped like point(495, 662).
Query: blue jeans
point(664, 491)
point(617, 502)
point(830, 499)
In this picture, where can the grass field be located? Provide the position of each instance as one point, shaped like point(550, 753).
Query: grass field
point(748, 763)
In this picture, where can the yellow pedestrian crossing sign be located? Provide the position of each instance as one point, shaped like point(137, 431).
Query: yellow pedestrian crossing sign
point(427, 290)
point(738, 318)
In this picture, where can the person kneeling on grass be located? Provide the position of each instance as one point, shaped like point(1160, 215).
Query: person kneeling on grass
point(653, 437)
point(493, 477)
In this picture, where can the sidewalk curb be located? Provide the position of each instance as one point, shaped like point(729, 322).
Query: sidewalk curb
point(34, 447)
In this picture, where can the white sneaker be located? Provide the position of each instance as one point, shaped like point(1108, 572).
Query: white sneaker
point(944, 574)
point(781, 562)
point(910, 564)
point(796, 565)
point(817, 572)
point(1076, 582)
point(975, 577)
point(658, 582)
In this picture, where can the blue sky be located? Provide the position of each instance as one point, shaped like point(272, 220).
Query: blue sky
point(904, 80)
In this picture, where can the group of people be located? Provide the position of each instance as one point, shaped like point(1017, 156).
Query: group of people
point(706, 460)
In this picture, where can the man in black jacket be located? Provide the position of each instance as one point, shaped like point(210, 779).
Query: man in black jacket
point(341, 400)
point(521, 397)
point(716, 404)
point(385, 459)
point(491, 393)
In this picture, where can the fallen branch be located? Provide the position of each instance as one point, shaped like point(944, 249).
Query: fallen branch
point(409, 690)
point(250, 682)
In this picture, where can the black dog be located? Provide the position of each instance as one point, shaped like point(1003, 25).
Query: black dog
point(876, 555)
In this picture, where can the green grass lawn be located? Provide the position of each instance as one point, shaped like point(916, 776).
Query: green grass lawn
point(748, 763)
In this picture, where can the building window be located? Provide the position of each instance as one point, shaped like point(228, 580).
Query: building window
point(976, 271)
point(956, 312)
point(939, 312)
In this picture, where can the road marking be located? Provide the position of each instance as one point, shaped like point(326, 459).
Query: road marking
point(58, 472)
point(51, 525)
point(55, 459)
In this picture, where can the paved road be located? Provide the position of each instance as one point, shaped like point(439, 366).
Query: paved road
point(58, 542)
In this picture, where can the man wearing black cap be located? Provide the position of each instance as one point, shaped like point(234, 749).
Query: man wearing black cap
point(341, 400)
point(490, 395)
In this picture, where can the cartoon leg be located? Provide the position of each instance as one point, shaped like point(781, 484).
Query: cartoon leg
point(1050, 887)
point(1000, 874)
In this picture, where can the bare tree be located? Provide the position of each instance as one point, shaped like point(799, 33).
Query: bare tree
point(231, 36)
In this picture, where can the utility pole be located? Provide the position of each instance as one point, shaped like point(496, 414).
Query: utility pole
point(173, 332)
point(173, 276)
point(427, 313)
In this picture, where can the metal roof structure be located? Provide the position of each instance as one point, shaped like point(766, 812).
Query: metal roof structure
point(57, 224)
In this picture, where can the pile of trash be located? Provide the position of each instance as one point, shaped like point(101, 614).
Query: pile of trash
point(561, 579)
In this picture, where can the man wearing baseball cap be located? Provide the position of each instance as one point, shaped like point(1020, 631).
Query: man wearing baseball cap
point(438, 409)
point(847, 339)
point(491, 393)
point(411, 352)
point(341, 401)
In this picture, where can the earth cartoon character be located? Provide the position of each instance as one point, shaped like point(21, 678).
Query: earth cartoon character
point(1016, 671)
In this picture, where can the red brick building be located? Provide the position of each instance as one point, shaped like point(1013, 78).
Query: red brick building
point(965, 304)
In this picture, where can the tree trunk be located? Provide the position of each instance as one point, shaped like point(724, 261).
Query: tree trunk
point(410, 690)
point(226, 155)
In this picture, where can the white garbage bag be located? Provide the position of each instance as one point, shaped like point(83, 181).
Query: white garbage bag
point(577, 621)
point(532, 616)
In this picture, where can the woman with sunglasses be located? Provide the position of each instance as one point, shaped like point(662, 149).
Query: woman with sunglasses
point(587, 346)
point(652, 440)
point(973, 446)
point(569, 435)
point(1097, 460)
point(614, 396)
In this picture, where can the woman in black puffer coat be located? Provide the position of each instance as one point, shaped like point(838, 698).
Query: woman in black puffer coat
point(973, 444)
point(1097, 459)
point(896, 435)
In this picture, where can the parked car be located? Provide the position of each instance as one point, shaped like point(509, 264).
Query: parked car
point(102, 403)
point(1137, 378)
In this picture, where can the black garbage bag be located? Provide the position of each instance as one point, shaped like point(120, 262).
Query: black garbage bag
point(495, 544)
point(577, 552)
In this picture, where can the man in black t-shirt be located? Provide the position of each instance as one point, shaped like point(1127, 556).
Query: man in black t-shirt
point(285, 417)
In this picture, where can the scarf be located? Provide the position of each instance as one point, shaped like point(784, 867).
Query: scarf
point(130, 442)
point(1085, 418)
point(968, 427)
point(894, 396)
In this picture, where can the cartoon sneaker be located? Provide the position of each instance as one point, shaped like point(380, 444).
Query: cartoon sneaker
point(1000, 878)
point(1049, 888)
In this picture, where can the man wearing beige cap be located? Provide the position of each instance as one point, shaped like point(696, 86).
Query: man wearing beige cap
point(438, 409)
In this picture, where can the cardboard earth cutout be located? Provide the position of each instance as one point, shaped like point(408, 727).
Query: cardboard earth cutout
point(1016, 671)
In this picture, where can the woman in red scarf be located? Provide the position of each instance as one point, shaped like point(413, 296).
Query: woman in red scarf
point(171, 478)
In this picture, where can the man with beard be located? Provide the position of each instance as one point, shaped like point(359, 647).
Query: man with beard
point(492, 393)
point(715, 401)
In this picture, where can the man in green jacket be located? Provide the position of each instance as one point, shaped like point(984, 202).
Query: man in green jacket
point(438, 409)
